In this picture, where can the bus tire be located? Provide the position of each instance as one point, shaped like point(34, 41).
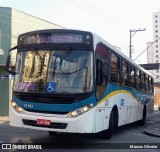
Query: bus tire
point(107, 134)
point(52, 133)
point(142, 121)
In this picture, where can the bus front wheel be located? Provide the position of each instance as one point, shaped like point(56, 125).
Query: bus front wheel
point(107, 134)
point(52, 133)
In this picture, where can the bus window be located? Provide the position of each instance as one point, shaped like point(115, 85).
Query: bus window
point(138, 85)
point(146, 83)
point(102, 53)
point(142, 81)
point(124, 74)
point(114, 72)
point(150, 85)
point(132, 77)
point(101, 70)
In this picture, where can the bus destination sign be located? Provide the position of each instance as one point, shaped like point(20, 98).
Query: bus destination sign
point(50, 38)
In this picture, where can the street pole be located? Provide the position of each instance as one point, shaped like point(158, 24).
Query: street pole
point(130, 40)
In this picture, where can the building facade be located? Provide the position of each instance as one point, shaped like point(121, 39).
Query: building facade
point(153, 56)
point(13, 23)
point(154, 50)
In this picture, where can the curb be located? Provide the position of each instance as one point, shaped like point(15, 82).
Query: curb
point(153, 130)
point(4, 119)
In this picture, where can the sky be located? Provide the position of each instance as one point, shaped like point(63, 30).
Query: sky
point(110, 19)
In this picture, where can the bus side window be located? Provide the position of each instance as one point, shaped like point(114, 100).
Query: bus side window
point(132, 77)
point(146, 83)
point(138, 85)
point(102, 54)
point(142, 81)
point(151, 85)
point(114, 71)
point(124, 74)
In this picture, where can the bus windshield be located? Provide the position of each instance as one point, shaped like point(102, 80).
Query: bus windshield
point(54, 71)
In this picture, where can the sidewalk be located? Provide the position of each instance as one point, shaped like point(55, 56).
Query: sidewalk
point(153, 130)
point(4, 119)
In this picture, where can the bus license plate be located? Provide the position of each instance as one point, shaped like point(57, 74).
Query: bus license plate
point(43, 122)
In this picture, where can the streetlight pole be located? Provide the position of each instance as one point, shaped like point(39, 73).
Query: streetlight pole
point(130, 40)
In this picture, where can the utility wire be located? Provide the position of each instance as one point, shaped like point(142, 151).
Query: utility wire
point(93, 9)
point(146, 49)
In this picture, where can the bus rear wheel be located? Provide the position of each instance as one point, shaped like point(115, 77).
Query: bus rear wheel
point(142, 121)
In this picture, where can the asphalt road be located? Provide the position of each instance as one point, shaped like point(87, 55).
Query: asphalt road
point(132, 134)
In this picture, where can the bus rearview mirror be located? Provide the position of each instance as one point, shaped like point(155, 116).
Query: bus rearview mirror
point(8, 62)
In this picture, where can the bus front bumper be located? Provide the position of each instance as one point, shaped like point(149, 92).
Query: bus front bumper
point(81, 124)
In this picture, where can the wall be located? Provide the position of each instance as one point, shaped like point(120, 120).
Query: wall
point(13, 23)
point(156, 94)
point(5, 31)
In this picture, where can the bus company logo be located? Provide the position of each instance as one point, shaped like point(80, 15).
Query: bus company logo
point(20, 146)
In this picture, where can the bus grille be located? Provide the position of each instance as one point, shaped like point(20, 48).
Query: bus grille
point(45, 98)
point(47, 112)
point(52, 125)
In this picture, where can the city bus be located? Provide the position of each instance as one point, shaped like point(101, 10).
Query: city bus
point(74, 81)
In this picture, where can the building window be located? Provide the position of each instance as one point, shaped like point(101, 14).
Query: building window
point(157, 71)
point(157, 77)
point(156, 31)
point(156, 46)
point(156, 36)
point(156, 21)
point(156, 16)
point(156, 51)
point(157, 61)
point(156, 26)
point(156, 56)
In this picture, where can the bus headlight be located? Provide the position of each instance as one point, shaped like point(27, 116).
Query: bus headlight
point(16, 107)
point(81, 111)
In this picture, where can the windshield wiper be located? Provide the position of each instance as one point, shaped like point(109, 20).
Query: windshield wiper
point(64, 56)
point(37, 54)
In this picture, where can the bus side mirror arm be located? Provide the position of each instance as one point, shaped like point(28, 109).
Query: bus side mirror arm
point(8, 62)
